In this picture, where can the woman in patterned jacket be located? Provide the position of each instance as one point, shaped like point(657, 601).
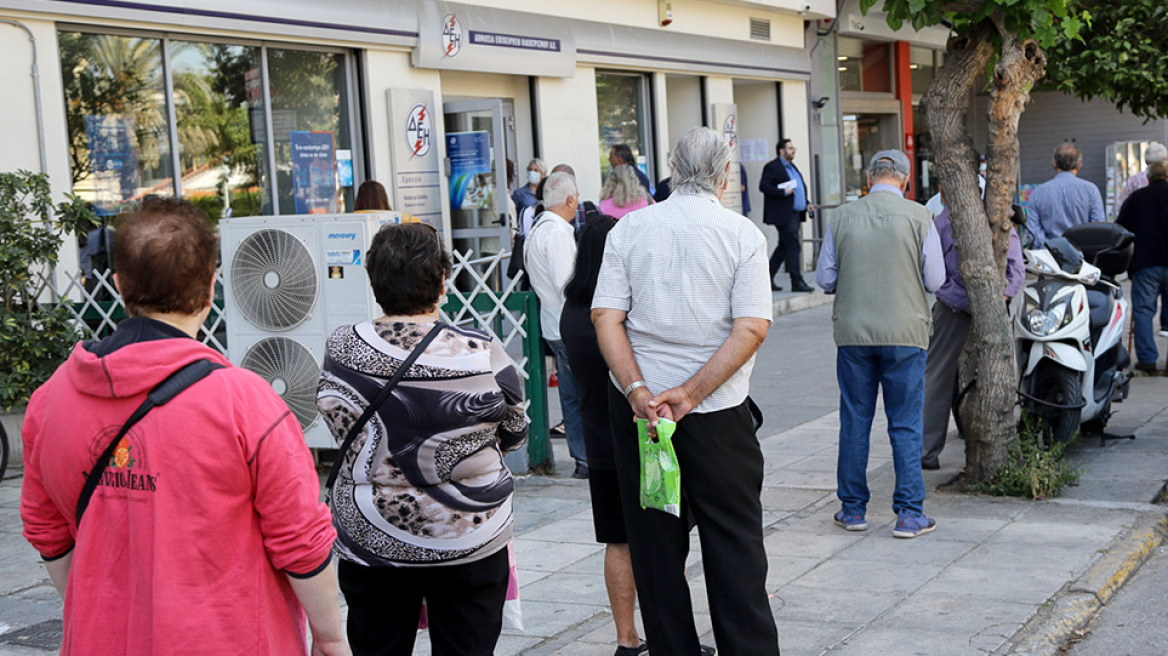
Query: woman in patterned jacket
point(422, 504)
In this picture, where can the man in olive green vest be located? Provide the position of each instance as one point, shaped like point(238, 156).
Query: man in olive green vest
point(881, 256)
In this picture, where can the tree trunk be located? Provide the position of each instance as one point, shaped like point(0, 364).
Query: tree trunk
point(981, 228)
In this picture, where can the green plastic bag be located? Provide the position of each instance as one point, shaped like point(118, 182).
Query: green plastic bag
point(660, 475)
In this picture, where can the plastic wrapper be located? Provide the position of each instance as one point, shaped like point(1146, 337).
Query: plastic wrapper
point(660, 475)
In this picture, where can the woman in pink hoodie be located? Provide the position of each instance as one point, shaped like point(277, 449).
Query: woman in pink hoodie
point(206, 532)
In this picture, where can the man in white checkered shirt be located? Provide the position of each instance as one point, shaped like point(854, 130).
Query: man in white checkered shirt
point(682, 303)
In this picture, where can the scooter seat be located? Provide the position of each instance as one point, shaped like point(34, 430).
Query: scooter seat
point(1100, 304)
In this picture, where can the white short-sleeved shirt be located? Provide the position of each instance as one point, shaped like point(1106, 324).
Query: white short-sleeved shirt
point(683, 270)
point(549, 256)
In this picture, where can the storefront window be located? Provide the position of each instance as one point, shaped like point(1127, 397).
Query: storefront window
point(309, 119)
point(115, 96)
point(623, 105)
point(927, 181)
point(865, 65)
point(120, 130)
point(219, 111)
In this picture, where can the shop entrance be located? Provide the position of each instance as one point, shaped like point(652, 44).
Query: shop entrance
point(480, 137)
point(864, 135)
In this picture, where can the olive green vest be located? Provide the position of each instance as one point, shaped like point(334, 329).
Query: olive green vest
point(880, 295)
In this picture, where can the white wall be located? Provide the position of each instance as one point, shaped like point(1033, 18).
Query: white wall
point(714, 19)
point(18, 113)
point(796, 107)
point(758, 118)
point(570, 127)
point(683, 95)
point(384, 70)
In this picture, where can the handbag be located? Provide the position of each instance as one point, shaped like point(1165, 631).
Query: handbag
point(162, 393)
point(382, 396)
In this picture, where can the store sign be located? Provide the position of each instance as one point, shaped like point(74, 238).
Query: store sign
point(487, 40)
point(725, 117)
point(451, 36)
point(417, 187)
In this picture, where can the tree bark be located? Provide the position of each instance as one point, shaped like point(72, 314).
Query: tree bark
point(981, 228)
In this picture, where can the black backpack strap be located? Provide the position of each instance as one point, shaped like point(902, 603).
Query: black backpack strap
point(382, 396)
point(161, 394)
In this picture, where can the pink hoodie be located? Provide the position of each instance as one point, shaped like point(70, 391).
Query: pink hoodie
point(188, 538)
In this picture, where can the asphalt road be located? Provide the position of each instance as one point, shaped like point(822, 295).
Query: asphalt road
point(1136, 621)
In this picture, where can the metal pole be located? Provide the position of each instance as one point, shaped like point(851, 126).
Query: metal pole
point(36, 93)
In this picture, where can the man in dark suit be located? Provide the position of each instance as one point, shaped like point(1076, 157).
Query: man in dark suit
point(785, 207)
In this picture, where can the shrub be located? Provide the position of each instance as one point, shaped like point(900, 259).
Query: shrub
point(1030, 471)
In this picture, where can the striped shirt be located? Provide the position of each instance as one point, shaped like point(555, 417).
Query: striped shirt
point(683, 270)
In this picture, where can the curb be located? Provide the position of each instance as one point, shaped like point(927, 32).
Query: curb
point(1080, 600)
point(788, 303)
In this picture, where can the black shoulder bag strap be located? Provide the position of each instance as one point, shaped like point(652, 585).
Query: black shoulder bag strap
point(160, 395)
point(377, 403)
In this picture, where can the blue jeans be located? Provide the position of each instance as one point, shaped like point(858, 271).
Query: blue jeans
point(900, 372)
point(569, 403)
point(1148, 285)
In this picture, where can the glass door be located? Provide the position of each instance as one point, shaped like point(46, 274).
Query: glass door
point(864, 135)
point(476, 160)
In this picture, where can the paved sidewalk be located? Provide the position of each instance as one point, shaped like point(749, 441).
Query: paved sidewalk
point(993, 575)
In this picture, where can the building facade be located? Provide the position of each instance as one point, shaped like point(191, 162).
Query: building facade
point(281, 108)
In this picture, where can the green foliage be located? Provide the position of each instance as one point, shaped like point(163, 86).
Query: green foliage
point(1030, 471)
point(34, 337)
point(1120, 56)
point(1046, 21)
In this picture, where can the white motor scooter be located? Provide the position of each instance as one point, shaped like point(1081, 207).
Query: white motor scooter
point(1070, 332)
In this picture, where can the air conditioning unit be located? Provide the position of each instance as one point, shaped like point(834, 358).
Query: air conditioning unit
point(288, 282)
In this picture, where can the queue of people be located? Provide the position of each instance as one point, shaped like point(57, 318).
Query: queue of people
point(418, 510)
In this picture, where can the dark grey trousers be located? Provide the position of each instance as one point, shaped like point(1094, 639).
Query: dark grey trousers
point(950, 329)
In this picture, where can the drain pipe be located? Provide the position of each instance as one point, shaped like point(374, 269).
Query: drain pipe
point(36, 92)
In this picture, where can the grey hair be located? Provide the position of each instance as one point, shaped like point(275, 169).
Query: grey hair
point(537, 163)
point(1068, 157)
point(1156, 152)
point(557, 189)
point(623, 187)
point(699, 162)
point(883, 169)
point(564, 168)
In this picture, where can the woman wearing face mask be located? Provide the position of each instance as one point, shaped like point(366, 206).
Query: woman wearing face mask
point(525, 195)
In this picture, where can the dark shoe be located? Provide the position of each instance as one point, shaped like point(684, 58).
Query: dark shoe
point(801, 287)
point(775, 288)
point(930, 464)
point(632, 651)
point(581, 471)
point(1146, 367)
point(558, 430)
point(709, 651)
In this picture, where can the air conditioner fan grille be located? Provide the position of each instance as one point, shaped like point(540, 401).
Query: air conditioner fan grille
point(291, 370)
point(274, 280)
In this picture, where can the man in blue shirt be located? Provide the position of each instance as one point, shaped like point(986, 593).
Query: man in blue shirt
point(785, 207)
point(1064, 200)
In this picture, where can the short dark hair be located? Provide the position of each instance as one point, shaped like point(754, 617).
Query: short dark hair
point(165, 253)
point(589, 255)
point(781, 145)
point(407, 264)
point(624, 153)
point(371, 196)
point(1068, 157)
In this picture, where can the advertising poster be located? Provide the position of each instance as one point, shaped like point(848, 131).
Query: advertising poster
point(472, 186)
point(113, 160)
point(314, 172)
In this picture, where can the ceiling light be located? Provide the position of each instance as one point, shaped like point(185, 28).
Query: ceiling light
point(843, 68)
point(842, 58)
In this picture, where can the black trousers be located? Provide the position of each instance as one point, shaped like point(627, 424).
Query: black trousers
point(787, 252)
point(464, 606)
point(721, 478)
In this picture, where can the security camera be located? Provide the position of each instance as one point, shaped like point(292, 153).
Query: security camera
point(806, 6)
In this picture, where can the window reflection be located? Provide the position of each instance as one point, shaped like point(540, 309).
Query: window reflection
point(218, 100)
point(865, 65)
point(620, 102)
point(310, 127)
point(117, 120)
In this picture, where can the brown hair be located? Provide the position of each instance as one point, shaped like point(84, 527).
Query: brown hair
point(165, 255)
point(371, 196)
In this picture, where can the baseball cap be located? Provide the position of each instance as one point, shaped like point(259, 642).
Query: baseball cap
point(899, 160)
